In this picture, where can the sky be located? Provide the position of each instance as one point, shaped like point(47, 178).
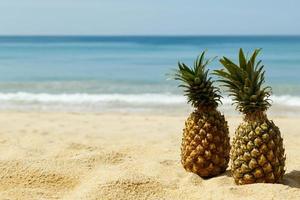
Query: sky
point(144, 17)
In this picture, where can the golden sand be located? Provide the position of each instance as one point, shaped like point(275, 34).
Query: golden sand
point(119, 156)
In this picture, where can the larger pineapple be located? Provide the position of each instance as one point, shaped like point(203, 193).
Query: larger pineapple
point(205, 143)
point(257, 152)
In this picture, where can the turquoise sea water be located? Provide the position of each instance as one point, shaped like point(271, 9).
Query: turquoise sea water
point(128, 73)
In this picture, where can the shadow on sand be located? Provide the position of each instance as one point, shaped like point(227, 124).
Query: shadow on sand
point(227, 173)
point(292, 179)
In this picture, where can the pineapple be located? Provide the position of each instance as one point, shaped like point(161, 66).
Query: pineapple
point(205, 144)
point(257, 153)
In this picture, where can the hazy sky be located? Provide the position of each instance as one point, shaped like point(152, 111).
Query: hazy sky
point(148, 17)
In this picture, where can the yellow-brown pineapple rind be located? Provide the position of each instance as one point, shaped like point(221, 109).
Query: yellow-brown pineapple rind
point(205, 144)
point(257, 153)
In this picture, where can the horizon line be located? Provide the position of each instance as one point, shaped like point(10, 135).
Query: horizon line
point(154, 35)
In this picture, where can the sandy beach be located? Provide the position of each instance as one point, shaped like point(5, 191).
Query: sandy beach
point(119, 156)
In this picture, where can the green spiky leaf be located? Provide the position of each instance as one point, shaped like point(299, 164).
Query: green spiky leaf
point(198, 86)
point(245, 83)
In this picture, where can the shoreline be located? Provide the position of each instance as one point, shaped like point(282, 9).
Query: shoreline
point(166, 113)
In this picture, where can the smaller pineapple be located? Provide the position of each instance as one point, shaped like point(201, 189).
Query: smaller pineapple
point(205, 143)
point(257, 153)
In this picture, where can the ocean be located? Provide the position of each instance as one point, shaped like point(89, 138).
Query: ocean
point(129, 74)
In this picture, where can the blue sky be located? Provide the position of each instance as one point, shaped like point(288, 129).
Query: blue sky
point(156, 17)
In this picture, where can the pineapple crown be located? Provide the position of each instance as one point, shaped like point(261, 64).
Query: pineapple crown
point(198, 87)
point(245, 83)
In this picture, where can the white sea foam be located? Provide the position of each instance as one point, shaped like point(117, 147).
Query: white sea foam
point(82, 98)
point(287, 100)
point(146, 98)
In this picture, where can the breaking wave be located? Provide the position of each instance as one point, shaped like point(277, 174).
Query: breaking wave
point(100, 102)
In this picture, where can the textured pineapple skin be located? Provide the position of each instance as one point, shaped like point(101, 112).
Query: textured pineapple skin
point(205, 144)
point(257, 153)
